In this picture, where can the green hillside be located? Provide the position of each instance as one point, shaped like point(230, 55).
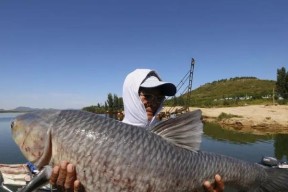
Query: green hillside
point(230, 92)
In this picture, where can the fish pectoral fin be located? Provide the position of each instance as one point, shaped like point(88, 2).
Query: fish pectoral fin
point(184, 131)
point(47, 152)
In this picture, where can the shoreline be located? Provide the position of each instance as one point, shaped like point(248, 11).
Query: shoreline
point(255, 119)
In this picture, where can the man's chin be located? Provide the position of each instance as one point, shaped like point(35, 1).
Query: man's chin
point(149, 115)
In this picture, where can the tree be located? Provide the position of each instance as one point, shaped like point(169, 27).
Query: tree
point(282, 83)
point(120, 104)
point(114, 103)
point(110, 102)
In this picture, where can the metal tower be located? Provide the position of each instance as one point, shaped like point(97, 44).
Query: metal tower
point(190, 83)
point(186, 90)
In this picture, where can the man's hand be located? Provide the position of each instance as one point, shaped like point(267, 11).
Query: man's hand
point(64, 178)
point(217, 186)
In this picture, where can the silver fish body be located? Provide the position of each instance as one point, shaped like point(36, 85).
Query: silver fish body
point(113, 156)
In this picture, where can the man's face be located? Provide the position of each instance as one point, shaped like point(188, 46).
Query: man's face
point(152, 99)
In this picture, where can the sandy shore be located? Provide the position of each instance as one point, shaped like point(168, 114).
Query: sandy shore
point(258, 119)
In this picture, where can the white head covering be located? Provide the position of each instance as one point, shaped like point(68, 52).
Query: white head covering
point(134, 109)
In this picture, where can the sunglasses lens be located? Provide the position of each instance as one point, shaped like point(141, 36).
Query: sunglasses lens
point(153, 97)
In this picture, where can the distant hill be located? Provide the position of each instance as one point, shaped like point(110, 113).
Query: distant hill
point(25, 109)
point(28, 109)
point(18, 109)
point(233, 91)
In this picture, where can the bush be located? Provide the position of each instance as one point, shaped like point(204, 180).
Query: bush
point(226, 116)
point(282, 102)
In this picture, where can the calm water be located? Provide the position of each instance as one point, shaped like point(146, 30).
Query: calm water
point(9, 152)
point(215, 139)
point(243, 145)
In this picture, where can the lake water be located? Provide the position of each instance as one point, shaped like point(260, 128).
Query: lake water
point(215, 139)
point(9, 151)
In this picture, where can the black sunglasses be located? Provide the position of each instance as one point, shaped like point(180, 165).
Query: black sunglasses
point(153, 97)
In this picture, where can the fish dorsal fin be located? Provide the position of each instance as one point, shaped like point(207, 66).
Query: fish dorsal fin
point(184, 131)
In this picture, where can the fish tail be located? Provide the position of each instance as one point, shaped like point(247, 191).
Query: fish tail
point(277, 181)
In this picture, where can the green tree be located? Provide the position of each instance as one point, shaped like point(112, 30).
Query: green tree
point(111, 105)
point(282, 83)
point(116, 102)
point(120, 104)
point(110, 102)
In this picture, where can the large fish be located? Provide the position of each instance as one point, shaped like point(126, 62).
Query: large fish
point(113, 156)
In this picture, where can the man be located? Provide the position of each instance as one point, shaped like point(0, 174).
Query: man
point(143, 96)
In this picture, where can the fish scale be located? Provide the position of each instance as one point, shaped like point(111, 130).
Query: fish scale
point(107, 148)
point(157, 156)
point(113, 156)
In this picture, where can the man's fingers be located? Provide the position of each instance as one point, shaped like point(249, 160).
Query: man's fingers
point(70, 177)
point(78, 187)
point(208, 187)
point(219, 183)
point(54, 175)
point(62, 173)
point(64, 178)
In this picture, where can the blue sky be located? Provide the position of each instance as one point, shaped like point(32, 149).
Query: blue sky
point(71, 54)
